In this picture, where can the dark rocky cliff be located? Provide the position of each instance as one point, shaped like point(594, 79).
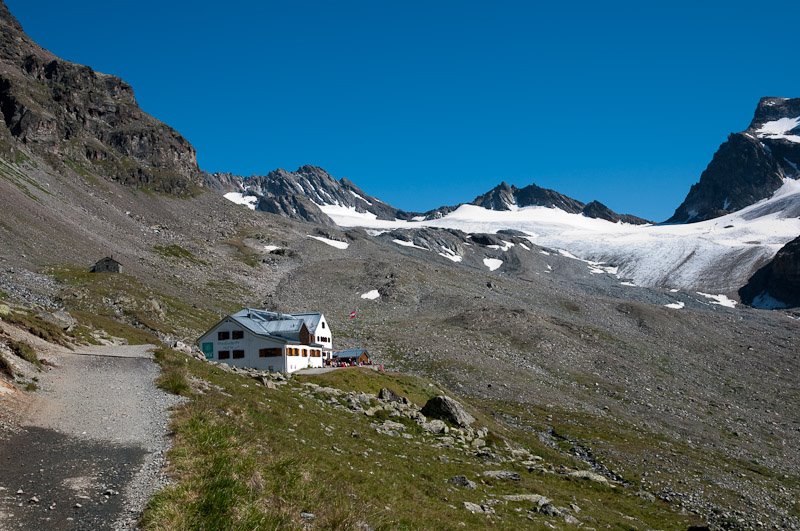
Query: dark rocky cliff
point(85, 120)
point(777, 284)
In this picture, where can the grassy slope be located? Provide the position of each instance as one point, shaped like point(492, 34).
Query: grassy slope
point(249, 457)
point(108, 301)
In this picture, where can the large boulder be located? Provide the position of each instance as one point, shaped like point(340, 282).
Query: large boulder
point(60, 318)
point(507, 475)
point(447, 409)
point(387, 395)
point(463, 481)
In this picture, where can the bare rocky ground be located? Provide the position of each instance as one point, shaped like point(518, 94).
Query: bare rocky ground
point(86, 450)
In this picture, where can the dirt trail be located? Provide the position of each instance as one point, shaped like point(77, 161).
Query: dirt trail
point(91, 446)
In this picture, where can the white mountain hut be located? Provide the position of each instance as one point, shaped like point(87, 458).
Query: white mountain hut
point(271, 341)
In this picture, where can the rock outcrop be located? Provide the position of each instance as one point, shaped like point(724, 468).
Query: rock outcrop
point(597, 210)
point(84, 120)
point(749, 166)
point(777, 284)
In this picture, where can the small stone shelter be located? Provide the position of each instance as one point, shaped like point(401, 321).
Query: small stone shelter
point(270, 341)
point(106, 265)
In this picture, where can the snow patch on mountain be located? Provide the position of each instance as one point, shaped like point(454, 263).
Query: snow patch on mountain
point(333, 243)
point(779, 129)
point(360, 197)
point(371, 295)
point(450, 254)
point(405, 243)
point(337, 211)
point(720, 299)
point(567, 254)
point(240, 199)
point(505, 247)
point(492, 263)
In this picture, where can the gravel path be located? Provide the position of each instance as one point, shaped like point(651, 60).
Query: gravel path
point(91, 452)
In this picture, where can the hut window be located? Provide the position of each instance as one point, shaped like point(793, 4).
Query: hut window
point(222, 336)
point(237, 334)
point(269, 352)
point(238, 354)
point(224, 354)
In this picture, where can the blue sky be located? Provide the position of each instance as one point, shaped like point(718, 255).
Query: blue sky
point(431, 103)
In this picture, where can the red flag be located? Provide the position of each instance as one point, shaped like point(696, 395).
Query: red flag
point(353, 314)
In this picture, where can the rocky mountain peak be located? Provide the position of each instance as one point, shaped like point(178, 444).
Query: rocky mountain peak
point(534, 195)
point(507, 197)
point(310, 169)
point(304, 194)
point(501, 197)
point(771, 109)
point(749, 166)
point(597, 210)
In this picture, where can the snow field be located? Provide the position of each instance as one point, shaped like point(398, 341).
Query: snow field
point(332, 243)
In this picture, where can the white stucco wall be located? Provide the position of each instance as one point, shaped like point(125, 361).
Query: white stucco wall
point(295, 363)
point(250, 343)
point(323, 330)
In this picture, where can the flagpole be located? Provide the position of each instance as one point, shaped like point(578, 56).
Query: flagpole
point(356, 331)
